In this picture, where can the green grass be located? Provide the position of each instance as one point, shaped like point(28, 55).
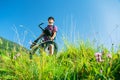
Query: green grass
point(75, 62)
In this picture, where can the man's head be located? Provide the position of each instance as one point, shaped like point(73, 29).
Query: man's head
point(51, 20)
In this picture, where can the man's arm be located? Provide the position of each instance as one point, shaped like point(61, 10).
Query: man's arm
point(39, 37)
point(54, 35)
point(34, 43)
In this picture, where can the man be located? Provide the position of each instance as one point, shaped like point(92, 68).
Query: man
point(49, 34)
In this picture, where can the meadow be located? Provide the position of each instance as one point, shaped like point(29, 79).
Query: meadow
point(74, 62)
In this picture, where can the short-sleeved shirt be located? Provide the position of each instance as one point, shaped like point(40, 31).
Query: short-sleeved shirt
point(52, 28)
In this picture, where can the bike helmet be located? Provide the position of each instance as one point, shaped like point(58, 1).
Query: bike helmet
point(51, 18)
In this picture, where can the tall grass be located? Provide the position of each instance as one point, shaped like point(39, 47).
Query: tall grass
point(73, 63)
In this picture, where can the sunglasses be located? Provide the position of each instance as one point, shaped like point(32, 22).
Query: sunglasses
point(50, 22)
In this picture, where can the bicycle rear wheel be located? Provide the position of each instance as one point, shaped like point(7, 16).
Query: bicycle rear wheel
point(37, 49)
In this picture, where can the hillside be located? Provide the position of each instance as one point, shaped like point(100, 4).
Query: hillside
point(6, 45)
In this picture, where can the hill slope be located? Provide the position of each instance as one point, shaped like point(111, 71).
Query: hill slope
point(6, 45)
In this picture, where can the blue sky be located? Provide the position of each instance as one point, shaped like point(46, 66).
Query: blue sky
point(84, 19)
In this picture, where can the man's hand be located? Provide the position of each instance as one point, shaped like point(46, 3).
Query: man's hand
point(54, 34)
point(52, 38)
point(33, 44)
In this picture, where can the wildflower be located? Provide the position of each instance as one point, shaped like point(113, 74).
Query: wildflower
point(98, 54)
point(109, 55)
point(98, 57)
point(16, 56)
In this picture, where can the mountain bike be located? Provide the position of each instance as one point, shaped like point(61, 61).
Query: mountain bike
point(41, 45)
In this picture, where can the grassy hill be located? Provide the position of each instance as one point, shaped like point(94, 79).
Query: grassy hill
point(6, 45)
point(73, 63)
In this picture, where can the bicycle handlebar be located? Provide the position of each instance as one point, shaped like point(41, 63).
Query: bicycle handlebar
point(40, 26)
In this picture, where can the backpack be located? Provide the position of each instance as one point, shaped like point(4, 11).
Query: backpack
point(49, 32)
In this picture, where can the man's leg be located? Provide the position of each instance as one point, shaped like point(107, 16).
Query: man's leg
point(51, 48)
